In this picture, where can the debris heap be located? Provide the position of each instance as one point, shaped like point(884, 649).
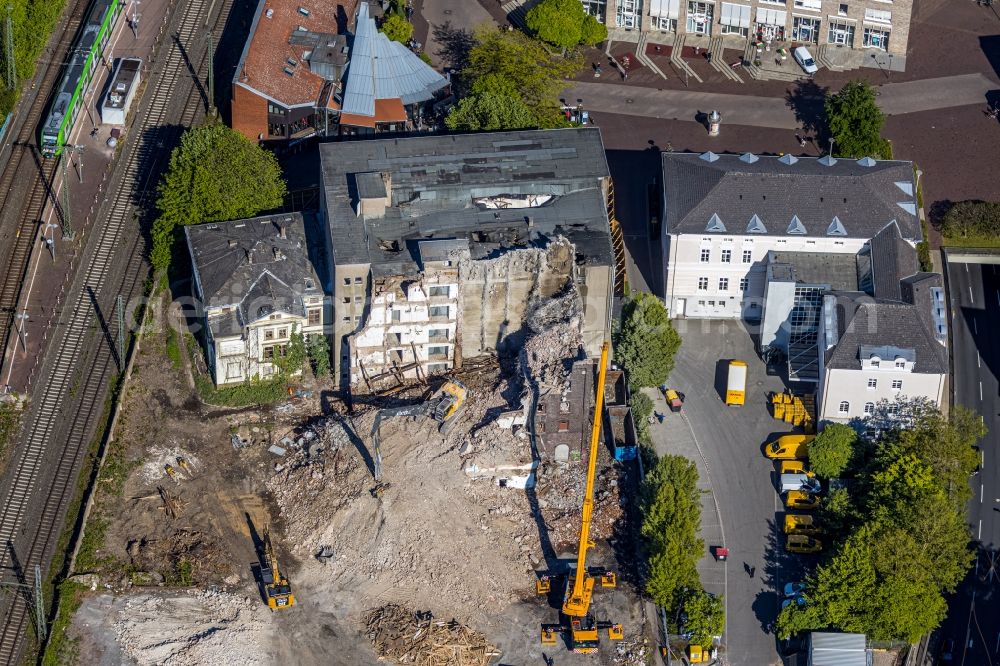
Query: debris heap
point(415, 637)
point(556, 338)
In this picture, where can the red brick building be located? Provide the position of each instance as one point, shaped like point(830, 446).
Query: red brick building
point(302, 73)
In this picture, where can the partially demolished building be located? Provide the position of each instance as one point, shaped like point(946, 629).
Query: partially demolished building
point(441, 246)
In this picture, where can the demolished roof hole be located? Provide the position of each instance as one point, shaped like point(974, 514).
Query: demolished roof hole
point(389, 245)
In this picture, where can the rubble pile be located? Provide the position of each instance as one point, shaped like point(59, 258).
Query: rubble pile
point(194, 629)
point(631, 652)
point(556, 338)
point(413, 637)
point(560, 499)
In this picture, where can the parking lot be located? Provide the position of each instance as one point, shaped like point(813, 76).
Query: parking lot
point(740, 480)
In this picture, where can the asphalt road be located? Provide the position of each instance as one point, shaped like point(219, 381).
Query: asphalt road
point(973, 621)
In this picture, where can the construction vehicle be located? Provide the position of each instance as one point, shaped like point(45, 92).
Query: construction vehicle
point(171, 472)
point(736, 384)
point(185, 465)
point(577, 623)
point(444, 406)
point(277, 590)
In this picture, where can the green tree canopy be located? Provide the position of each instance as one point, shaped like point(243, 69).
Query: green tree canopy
point(490, 111)
point(511, 64)
point(832, 450)
point(564, 23)
point(397, 28)
point(319, 354)
point(972, 221)
point(215, 174)
point(855, 122)
point(647, 342)
point(671, 509)
point(704, 616)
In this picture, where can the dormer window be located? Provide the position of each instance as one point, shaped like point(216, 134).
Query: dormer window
point(900, 363)
point(875, 362)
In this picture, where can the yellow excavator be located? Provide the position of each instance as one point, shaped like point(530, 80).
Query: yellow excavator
point(277, 590)
point(443, 406)
point(577, 623)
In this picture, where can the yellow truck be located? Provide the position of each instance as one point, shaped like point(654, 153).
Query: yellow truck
point(789, 447)
point(736, 384)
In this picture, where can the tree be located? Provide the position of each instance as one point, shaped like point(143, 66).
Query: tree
point(215, 174)
point(515, 65)
point(490, 111)
point(855, 122)
point(971, 220)
point(671, 509)
point(295, 353)
point(642, 409)
point(319, 354)
point(592, 31)
point(832, 450)
point(558, 22)
point(704, 617)
point(397, 28)
point(647, 342)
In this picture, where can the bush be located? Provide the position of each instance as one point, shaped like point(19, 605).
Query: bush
point(972, 220)
point(397, 28)
point(642, 409)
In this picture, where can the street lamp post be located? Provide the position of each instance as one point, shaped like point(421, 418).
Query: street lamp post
point(22, 317)
point(831, 146)
point(50, 242)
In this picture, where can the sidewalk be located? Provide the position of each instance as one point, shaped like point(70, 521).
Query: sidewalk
point(774, 112)
point(675, 436)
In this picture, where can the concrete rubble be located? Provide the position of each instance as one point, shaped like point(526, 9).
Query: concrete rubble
point(402, 636)
point(192, 630)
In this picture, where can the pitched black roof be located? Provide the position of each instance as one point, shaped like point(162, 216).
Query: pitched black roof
point(785, 196)
point(883, 324)
point(892, 260)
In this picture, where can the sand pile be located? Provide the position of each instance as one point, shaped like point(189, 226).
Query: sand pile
point(198, 629)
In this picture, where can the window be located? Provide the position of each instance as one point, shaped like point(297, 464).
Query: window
point(706, 254)
point(897, 384)
point(397, 315)
point(346, 320)
point(357, 280)
point(747, 256)
point(844, 408)
point(736, 30)
point(699, 18)
point(703, 283)
point(869, 408)
point(841, 33)
point(439, 291)
point(357, 319)
point(437, 351)
point(723, 284)
point(876, 363)
point(872, 383)
point(664, 24)
point(269, 334)
point(814, 5)
point(805, 29)
point(315, 317)
point(900, 363)
point(564, 426)
point(282, 333)
point(347, 299)
point(436, 368)
point(711, 304)
point(878, 16)
point(875, 38)
point(727, 256)
point(275, 316)
point(274, 351)
point(744, 283)
point(438, 333)
point(358, 299)
point(842, 10)
point(439, 311)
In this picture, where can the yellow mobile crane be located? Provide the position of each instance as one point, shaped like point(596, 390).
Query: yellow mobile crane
point(277, 590)
point(577, 623)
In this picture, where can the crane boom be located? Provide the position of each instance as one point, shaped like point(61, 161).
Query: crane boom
point(577, 603)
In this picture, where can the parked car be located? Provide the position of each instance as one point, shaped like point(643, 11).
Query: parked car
point(805, 60)
point(796, 524)
point(795, 467)
point(799, 499)
point(787, 482)
point(948, 651)
point(800, 543)
point(794, 589)
point(789, 447)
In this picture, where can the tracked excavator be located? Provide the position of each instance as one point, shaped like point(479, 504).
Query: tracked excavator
point(443, 406)
point(277, 590)
point(576, 621)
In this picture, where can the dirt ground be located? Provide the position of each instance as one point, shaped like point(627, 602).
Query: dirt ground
point(173, 576)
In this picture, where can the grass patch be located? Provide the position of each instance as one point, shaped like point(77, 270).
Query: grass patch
point(173, 348)
point(971, 241)
point(61, 648)
point(10, 423)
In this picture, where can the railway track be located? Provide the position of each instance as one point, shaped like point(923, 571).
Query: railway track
point(25, 160)
point(79, 362)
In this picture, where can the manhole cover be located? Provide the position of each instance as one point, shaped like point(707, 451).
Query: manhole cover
point(629, 100)
point(447, 12)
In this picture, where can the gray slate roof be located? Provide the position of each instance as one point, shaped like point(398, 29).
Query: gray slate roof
point(892, 260)
point(246, 264)
point(435, 179)
point(866, 323)
point(383, 69)
point(863, 199)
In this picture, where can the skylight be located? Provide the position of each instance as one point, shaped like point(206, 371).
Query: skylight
point(715, 223)
point(788, 159)
point(905, 186)
point(867, 162)
point(756, 226)
point(749, 158)
point(836, 228)
point(796, 227)
point(709, 156)
point(827, 160)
